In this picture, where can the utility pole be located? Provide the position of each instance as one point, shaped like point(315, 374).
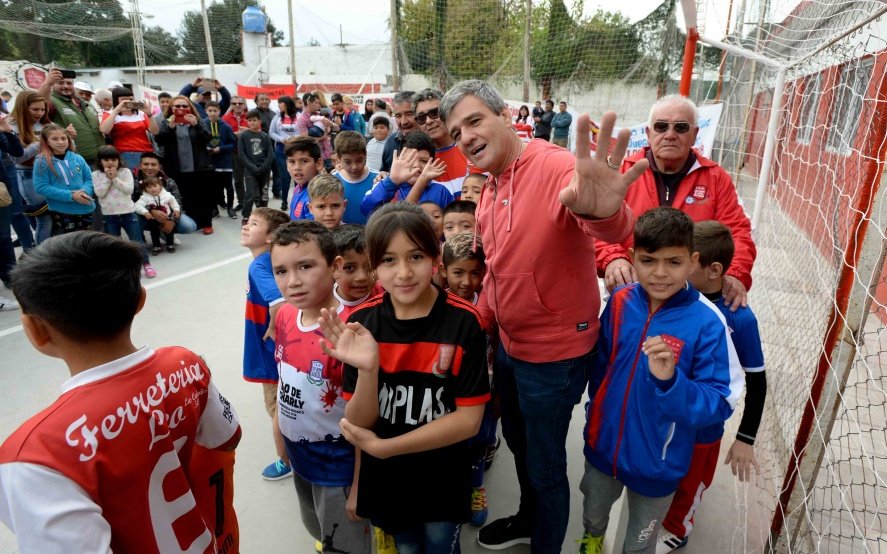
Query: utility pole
point(527, 51)
point(209, 42)
point(135, 18)
point(395, 67)
point(289, 7)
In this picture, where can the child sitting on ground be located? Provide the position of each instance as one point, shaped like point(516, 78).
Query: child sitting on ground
point(310, 400)
point(356, 282)
point(326, 200)
point(263, 299)
point(355, 175)
point(412, 177)
point(715, 246)
point(463, 269)
point(94, 471)
point(687, 379)
point(458, 217)
point(160, 210)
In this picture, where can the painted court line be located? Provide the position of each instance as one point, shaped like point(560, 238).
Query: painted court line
point(161, 283)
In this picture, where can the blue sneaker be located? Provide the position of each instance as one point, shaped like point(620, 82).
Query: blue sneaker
point(478, 506)
point(277, 471)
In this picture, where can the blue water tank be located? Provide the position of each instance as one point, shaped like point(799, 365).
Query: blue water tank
point(254, 20)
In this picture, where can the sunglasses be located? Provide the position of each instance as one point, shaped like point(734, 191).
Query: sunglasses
point(433, 113)
point(180, 106)
point(236, 103)
point(680, 127)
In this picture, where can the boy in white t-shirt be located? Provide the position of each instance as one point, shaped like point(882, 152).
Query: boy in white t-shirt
point(91, 473)
point(375, 145)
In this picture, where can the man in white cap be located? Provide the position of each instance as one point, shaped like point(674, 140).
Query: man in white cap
point(84, 91)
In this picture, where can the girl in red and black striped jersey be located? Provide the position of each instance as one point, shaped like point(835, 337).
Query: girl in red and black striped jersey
point(416, 384)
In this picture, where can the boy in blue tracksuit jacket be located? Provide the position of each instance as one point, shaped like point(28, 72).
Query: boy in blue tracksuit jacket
point(414, 168)
point(665, 367)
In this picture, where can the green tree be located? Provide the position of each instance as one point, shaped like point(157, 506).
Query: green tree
point(225, 25)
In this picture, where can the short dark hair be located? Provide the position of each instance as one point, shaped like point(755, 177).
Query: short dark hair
point(382, 121)
point(402, 216)
point(460, 207)
point(336, 97)
point(119, 92)
point(420, 141)
point(381, 104)
point(164, 95)
point(463, 246)
point(108, 153)
point(152, 155)
point(714, 242)
point(212, 104)
point(663, 227)
point(254, 114)
point(350, 142)
point(274, 218)
point(86, 284)
point(302, 144)
point(350, 236)
point(303, 230)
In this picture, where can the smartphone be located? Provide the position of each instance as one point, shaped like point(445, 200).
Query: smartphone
point(136, 105)
point(68, 74)
point(180, 114)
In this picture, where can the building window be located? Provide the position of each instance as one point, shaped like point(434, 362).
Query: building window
point(847, 105)
point(809, 107)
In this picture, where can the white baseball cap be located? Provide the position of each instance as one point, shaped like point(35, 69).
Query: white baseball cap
point(84, 86)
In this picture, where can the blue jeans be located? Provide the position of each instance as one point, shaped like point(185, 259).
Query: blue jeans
point(30, 196)
point(132, 160)
point(537, 401)
point(281, 184)
point(19, 221)
point(438, 537)
point(129, 223)
point(7, 252)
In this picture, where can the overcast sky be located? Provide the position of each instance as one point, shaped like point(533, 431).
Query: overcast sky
point(366, 21)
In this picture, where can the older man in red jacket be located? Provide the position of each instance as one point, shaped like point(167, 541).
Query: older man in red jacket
point(681, 177)
point(539, 214)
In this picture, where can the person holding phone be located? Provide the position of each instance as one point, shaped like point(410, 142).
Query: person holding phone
point(68, 111)
point(185, 138)
point(128, 124)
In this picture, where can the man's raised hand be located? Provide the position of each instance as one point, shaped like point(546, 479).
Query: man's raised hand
point(598, 189)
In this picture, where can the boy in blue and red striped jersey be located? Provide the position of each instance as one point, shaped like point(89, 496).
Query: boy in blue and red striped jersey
point(714, 242)
point(664, 368)
point(263, 299)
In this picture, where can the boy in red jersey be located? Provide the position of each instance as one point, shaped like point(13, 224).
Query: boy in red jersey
point(310, 401)
point(104, 468)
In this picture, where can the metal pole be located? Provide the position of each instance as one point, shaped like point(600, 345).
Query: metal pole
point(395, 67)
point(209, 42)
point(527, 51)
point(769, 148)
point(138, 40)
point(289, 8)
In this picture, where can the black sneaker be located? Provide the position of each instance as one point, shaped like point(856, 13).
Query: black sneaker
point(232, 213)
point(284, 207)
point(215, 213)
point(503, 533)
point(238, 207)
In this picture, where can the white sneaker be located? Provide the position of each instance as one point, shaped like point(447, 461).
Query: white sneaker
point(7, 305)
point(175, 240)
point(668, 542)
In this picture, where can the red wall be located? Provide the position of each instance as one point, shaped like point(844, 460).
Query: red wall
point(818, 187)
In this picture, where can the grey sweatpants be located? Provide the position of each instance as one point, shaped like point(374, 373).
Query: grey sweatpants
point(645, 513)
point(323, 514)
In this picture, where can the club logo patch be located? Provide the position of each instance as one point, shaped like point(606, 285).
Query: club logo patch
point(315, 374)
point(689, 200)
point(676, 345)
point(699, 192)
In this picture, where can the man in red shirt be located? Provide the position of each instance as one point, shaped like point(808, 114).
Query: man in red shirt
point(426, 106)
point(680, 177)
point(236, 118)
point(539, 214)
